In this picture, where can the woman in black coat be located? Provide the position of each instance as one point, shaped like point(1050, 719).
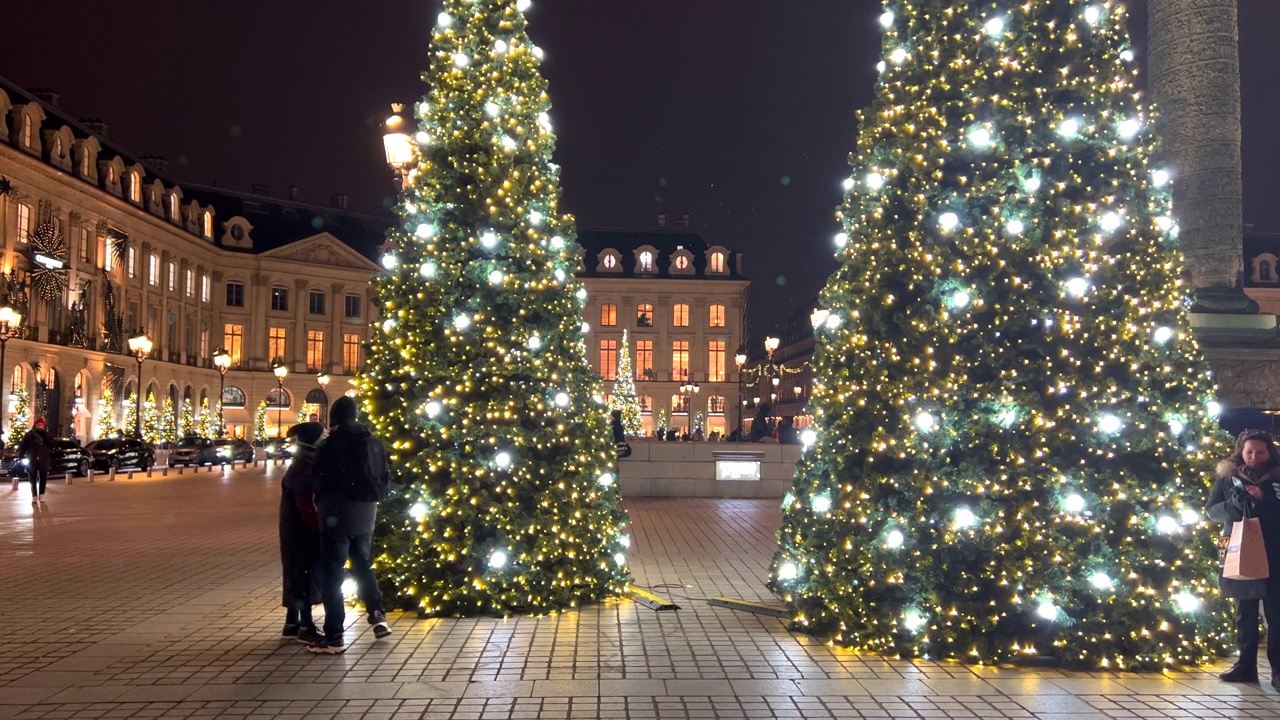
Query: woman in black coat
point(1248, 483)
point(300, 535)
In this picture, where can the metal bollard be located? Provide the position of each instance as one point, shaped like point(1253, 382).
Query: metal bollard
point(111, 477)
point(90, 475)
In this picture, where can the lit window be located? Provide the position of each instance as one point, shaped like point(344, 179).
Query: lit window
point(679, 404)
point(276, 344)
point(85, 165)
point(233, 341)
point(646, 404)
point(350, 353)
point(609, 359)
point(315, 350)
point(132, 262)
point(173, 208)
point(608, 315)
point(715, 361)
point(717, 316)
point(109, 249)
point(717, 262)
point(680, 315)
point(189, 284)
point(204, 342)
point(644, 315)
point(206, 225)
point(84, 245)
point(715, 405)
point(135, 187)
point(279, 298)
point(28, 135)
point(646, 261)
point(24, 222)
point(153, 269)
point(233, 397)
point(173, 277)
point(680, 360)
point(644, 360)
point(204, 288)
point(610, 261)
point(682, 262)
point(278, 398)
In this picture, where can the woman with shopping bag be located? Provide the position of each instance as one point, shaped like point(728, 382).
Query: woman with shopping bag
point(1246, 497)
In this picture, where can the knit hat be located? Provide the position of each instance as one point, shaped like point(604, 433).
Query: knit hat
point(39, 422)
point(307, 433)
point(343, 410)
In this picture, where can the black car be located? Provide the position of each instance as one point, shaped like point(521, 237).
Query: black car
point(121, 453)
point(279, 449)
point(193, 450)
point(68, 458)
point(231, 450)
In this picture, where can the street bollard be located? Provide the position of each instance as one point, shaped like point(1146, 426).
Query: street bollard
point(111, 477)
point(90, 475)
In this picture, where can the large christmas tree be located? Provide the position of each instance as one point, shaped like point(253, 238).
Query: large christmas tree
point(624, 391)
point(107, 413)
point(1014, 424)
point(19, 415)
point(129, 414)
point(505, 498)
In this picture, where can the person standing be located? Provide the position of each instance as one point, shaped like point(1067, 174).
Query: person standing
point(34, 450)
point(352, 473)
point(300, 535)
point(1248, 484)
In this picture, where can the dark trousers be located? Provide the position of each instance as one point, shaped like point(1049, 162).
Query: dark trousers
point(335, 550)
point(38, 479)
point(1249, 634)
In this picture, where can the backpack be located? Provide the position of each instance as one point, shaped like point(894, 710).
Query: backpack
point(360, 468)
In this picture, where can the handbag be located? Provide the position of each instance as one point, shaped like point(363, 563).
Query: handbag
point(1245, 567)
point(623, 449)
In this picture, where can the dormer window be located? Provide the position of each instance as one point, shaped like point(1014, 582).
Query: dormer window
point(206, 225)
point(682, 263)
point(56, 152)
point(717, 262)
point(173, 208)
point(1264, 271)
point(84, 163)
point(135, 187)
point(28, 135)
point(646, 261)
point(610, 262)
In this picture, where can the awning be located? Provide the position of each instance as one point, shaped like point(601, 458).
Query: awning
point(237, 416)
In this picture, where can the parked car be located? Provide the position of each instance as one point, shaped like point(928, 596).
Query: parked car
point(193, 450)
point(121, 453)
point(231, 450)
point(68, 458)
point(11, 464)
point(282, 449)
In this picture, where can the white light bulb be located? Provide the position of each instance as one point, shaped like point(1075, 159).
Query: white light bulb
point(1175, 426)
point(581, 294)
point(886, 19)
point(461, 322)
point(847, 183)
point(432, 408)
point(1031, 184)
point(960, 300)
point(1214, 408)
point(913, 621)
point(508, 142)
point(1007, 418)
point(418, 511)
point(489, 239)
point(1110, 424)
point(1186, 602)
point(545, 121)
point(423, 139)
point(1100, 580)
point(1162, 334)
point(1077, 287)
point(500, 47)
point(388, 324)
point(787, 571)
point(620, 559)
point(535, 218)
point(894, 539)
point(461, 60)
point(523, 5)
point(425, 231)
point(605, 479)
point(1129, 127)
point(559, 273)
point(880, 66)
point(963, 518)
point(496, 277)
point(502, 460)
point(1047, 610)
point(1160, 178)
point(1189, 516)
point(625, 540)
point(1165, 223)
point(948, 220)
point(808, 437)
point(557, 242)
point(586, 327)
point(1069, 127)
point(349, 588)
point(1110, 222)
point(833, 321)
point(980, 138)
point(842, 239)
point(534, 342)
point(1092, 14)
point(1166, 525)
point(874, 180)
point(1074, 503)
point(924, 421)
point(994, 26)
point(390, 261)
point(562, 399)
point(898, 56)
point(497, 559)
point(537, 52)
point(821, 504)
point(1015, 227)
point(1126, 55)
point(491, 109)
point(444, 20)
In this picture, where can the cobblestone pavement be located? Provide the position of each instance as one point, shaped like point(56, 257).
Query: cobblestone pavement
point(159, 598)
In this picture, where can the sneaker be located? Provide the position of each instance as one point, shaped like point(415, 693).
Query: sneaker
point(1240, 673)
point(310, 634)
point(327, 647)
point(378, 620)
point(291, 630)
point(1275, 680)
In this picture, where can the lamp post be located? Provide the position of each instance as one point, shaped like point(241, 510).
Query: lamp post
point(770, 345)
point(140, 346)
point(740, 359)
point(323, 381)
point(222, 361)
point(688, 390)
point(10, 321)
point(396, 144)
point(280, 371)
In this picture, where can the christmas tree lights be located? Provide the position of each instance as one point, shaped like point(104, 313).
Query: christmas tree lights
point(129, 413)
point(477, 376)
point(154, 428)
point(107, 413)
point(1014, 470)
point(19, 415)
point(624, 391)
point(260, 422)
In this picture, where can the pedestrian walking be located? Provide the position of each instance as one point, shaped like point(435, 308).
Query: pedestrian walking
point(300, 535)
point(352, 474)
point(34, 451)
point(1248, 485)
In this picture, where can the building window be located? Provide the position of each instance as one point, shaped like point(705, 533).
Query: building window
point(715, 361)
point(153, 269)
point(679, 404)
point(171, 330)
point(646, 261)
point(715, 405)
point(131, 319)
point(108, 248)
point(135, 187)
point(644, 360)
point(609, 359)
point(233, 397)
point(173, 277)
point(315, 303)
point(204, 342)
point(84, 245)
point(204, 288)
point(28, 135)
point(680, 360)
point(352, 304)
point(644, 315)
point(680, 315)
point(173, 208)
point(206, 225)
point(717, 316)
point(24, 223)
point(1264, 271)
point(189, 283)
point(315, 350)
point(646, 404)
point(608, 315)
point(276, 343)
point(235, 294)
point(717, 262)
point(682, 262)
point(278, 398)
point(610, 262)
point(279, 298)
point(132, 262)
point(350, 353)
point(233, 341)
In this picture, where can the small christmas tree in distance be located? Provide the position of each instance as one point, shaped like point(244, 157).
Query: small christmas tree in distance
point(21, 416)
point(129, 414)
point(1013, 424)
point(186, 420)
point(624, 391)
point(107, 413)
point(154, 428)
point(169, 421)
point(206, 421)
point(260, 422)
point(477, 377)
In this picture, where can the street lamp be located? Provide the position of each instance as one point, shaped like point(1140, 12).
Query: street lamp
point(323, 380)
point(689, 390)
point(396, 144)
point(280, 370)
point(222, 361)
point(140, 346)
point(741, 359)
point(10, 321)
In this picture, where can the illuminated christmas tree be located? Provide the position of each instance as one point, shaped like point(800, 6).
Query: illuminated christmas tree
point(19, 415)
point(207, 421)
point(505, 498)
point(154, 428)
point(1014, 424)
point(169, 421)
point(260, 422)
point(129, 414)
point(186, 420)
point(624, 391)
point(107, 413)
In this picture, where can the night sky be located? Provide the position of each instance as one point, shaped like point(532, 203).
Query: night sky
point(739, 113)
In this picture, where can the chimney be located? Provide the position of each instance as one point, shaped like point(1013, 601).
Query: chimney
point(684, 220)
point(339, 201)
point(293, 192)
point(662, 220)
point(260, 189)
point(95, 126)
point(156, 162)
point(45, 95)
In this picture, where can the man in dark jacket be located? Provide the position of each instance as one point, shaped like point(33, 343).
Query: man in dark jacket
point(34, 449)
point(351, 474)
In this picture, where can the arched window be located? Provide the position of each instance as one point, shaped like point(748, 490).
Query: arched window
point(27, 134)
point(233, 397)
point(717, 262)
point(56, 153)
point(278, 398)
point(646, 261)
point(135, 187)
point(206, 225)
point(173, 208)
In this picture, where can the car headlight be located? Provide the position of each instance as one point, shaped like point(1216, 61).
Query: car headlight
point(271, 448)
point(224, 451)
point(26, 461)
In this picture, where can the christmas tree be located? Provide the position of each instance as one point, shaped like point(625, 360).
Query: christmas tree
point(260, 422)
point(477, 378)
point(154, 428)
point(129, 414)
point(169, 421)
point(186, 420)
point(1014, 424)
point(624, 391)
point(107, 413)
point(206, 421)
point(19, 415)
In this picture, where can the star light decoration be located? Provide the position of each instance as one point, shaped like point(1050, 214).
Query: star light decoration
point(1013, 423)
point(47, 253)
point(477, 376)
